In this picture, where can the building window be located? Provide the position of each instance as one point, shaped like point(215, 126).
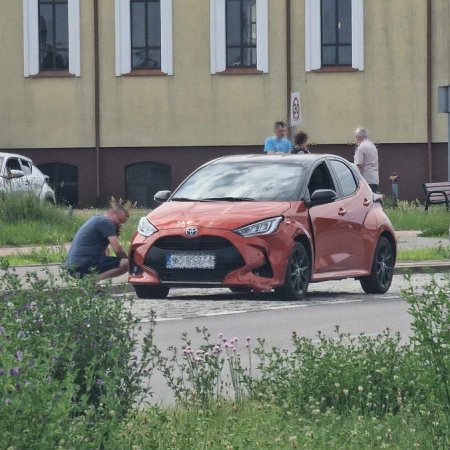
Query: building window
point(336, 24)
point(143, 36)
point(239, 35)
point(53, 35)
point(63, 179)
point(51, 32)
point(334, 34)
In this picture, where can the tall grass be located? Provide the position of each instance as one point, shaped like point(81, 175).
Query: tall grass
point(25, 220)
point(412, 216)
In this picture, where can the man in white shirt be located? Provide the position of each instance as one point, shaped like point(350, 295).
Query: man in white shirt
point(366, 158)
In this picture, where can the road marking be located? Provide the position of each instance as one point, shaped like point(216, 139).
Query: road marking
point(268, 308)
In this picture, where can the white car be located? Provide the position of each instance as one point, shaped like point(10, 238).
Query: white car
point(19, 174)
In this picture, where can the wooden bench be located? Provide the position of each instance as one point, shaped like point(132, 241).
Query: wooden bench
point(437, 193)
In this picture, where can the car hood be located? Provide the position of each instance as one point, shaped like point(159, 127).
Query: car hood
point(222, 215)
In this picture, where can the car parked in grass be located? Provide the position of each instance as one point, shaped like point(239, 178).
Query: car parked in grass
point(18, 174)
point(265, 223)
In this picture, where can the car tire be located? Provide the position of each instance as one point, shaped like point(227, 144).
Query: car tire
point(151, 292)
point(380, 278)
point(298, 274)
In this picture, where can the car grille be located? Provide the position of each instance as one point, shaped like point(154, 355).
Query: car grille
point(227, 259)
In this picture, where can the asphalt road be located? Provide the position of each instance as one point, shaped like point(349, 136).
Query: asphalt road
point(329, 304)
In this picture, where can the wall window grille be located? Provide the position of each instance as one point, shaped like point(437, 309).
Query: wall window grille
point(336, 18)
point(53, 35)
point(241, 33)
point(145, 34)
point(334, 34)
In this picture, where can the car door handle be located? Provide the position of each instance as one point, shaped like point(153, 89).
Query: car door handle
point(342, 212)
point(366, 202)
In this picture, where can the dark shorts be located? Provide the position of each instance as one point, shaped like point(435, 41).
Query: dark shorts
point(99, 264)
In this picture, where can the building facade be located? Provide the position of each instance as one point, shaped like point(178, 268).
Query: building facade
point(125, 97)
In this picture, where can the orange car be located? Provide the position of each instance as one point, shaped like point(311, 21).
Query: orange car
point(263, 223)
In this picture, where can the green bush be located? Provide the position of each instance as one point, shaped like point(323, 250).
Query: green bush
point(69, 370)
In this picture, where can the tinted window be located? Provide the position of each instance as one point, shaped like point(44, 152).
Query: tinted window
point(345, 177)
point(263, 182)
point(26, 167)
point(320, 179)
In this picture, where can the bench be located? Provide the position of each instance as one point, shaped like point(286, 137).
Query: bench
point(437, 193)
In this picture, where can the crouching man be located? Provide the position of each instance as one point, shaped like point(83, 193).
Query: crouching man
point(89, 250)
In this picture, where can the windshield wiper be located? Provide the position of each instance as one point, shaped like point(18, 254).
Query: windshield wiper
point(228, 199)
point(183, 199)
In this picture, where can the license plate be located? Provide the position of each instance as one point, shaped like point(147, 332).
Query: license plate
point(191, 261)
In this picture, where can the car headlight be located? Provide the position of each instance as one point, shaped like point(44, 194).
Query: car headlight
point(145, 228)
point(259, 228)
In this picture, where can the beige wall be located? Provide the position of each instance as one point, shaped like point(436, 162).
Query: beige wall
point(195, 108)
point(43, 112)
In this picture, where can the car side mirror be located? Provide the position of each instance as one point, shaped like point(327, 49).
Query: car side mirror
point(14, 173)
point(323, 196)
point(162, 196)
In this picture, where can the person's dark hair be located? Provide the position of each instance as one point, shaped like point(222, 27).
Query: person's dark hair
point(300, 138)
point(280, 123)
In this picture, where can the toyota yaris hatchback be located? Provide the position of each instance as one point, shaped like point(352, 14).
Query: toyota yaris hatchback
point(265, 223)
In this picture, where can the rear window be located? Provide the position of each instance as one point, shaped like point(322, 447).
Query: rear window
point(245, 180)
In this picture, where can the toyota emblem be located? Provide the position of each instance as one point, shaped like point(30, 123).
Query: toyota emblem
point(191, 232)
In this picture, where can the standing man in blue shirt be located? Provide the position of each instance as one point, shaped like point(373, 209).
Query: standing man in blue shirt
point(278, 144)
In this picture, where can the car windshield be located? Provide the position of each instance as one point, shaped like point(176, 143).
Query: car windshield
point(242, 181)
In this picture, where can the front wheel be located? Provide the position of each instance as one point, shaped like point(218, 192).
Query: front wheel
point(151, 292)
point(298, 274)
point(380, 278)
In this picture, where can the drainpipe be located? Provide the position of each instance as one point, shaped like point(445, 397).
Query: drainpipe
point(429, 90)
point(288, 63)
point(97, 101)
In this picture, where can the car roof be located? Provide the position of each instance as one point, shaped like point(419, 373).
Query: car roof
point(305, 160)
point(15, 155)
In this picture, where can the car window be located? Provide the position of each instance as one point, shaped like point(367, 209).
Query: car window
point(320, 179)
point(13, 164)
point(345, 177)
point(266, 181)
point(1, 162)
point(26, 166)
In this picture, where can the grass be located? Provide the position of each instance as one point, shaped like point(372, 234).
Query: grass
point(412, 216)
point(424, 254)
point(252, 425)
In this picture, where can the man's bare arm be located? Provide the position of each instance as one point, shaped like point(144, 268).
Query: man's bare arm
point(118, 249)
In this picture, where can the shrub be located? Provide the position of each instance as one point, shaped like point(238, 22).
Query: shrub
point(69, 368)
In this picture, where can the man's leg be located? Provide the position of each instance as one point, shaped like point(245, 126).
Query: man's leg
point(112, 272)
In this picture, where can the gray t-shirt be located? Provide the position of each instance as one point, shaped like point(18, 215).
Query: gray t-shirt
point(90, 241)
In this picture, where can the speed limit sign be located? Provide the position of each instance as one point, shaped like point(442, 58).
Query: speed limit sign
point(296, 111)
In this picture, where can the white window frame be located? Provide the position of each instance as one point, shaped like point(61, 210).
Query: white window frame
point(31, 37)
point(218, 36)
point(313, 35)
point(123, 37)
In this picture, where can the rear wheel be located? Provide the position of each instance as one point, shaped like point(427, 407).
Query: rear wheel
point(151, 292)
point(298, 274)
point(380, 278)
